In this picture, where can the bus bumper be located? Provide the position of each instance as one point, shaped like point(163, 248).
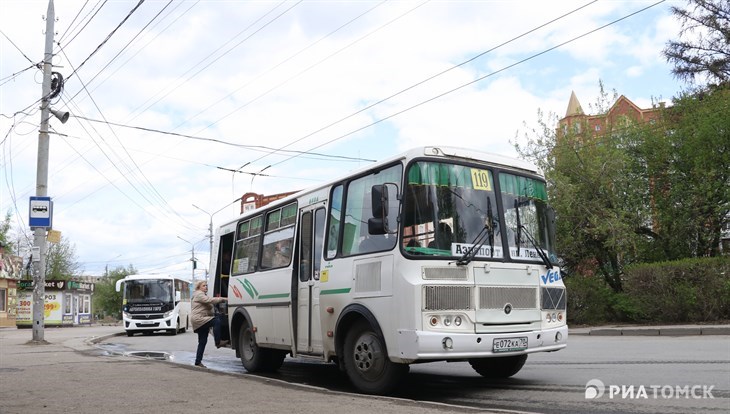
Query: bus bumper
point(139, 325)
point(426, 345)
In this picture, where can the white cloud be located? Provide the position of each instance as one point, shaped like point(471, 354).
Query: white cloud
point(280, 80)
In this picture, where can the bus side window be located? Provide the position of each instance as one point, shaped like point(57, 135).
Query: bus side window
point(333, 232)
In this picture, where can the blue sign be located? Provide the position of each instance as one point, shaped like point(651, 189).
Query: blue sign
point(40, 212)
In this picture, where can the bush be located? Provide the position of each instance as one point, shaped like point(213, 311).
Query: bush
point(589, 300)
point(690, 290)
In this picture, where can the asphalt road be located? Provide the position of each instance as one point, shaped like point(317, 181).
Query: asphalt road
point(639, 374)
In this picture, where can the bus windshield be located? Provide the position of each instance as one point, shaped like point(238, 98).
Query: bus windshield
point(149, 291)
point(451, 210)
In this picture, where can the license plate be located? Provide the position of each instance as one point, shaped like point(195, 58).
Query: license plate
point(509, 344)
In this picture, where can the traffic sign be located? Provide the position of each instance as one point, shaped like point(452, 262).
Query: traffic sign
point(40, 212)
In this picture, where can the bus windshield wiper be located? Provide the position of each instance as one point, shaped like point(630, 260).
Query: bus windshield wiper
point(540, 252)
point(485, 234)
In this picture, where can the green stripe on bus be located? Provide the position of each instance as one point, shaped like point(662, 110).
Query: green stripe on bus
point(275, 295)
point(334, 291)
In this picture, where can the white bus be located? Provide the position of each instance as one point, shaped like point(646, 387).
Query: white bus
point(155, 303)
point(436, 254)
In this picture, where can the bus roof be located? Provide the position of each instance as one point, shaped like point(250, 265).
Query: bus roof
point(445, 152)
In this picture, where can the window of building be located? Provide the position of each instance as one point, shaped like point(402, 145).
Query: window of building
point(86, 304)
point(67, 304)
point(598, 127)
point(3, 300)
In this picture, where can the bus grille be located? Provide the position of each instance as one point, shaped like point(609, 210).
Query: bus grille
point(553, 298)
point(447, 298)
point(146, 316)
point(498, 297)
point(444, 273)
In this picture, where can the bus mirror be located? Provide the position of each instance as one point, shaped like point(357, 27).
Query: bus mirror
point(379, 201)
point(383, 210)
point(178, 297)
point(378, 224)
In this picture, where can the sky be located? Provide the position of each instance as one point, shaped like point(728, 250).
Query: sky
point(169, 98)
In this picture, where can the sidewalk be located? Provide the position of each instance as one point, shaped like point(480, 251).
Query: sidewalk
point(662, 330)
point(70, 375)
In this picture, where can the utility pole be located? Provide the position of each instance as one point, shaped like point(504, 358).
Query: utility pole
point(39, 239)
point(192, 258)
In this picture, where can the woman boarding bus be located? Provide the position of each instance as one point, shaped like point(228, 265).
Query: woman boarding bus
point(436, 254)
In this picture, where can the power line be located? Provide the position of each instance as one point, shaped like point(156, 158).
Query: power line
point(16, 46)
point(259, 148)
point(87, 21)
point(471, 82)
point(214, 52)
point(107, 39)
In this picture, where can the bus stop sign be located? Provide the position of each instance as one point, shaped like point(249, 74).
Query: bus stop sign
point(40, 212)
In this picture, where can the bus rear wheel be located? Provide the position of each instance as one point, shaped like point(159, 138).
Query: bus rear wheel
point(255, 358)
point(502, 367)
point(367, 364)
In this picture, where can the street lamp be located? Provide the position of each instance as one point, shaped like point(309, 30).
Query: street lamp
point(210, 224)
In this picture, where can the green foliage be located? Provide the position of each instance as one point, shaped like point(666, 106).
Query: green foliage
point(4, 237)
point(107, 301)
point(591, 301)
point(61, 261)
point(638, 192)
point(689, 290)
point(702, 50)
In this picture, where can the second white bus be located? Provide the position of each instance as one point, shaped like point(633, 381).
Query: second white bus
point(155, 303)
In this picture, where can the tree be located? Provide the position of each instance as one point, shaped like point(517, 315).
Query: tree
point(4, 236)
point(695, 170)
point(61, 261)
point(703, 48)
point(107, 301)
point(593, 186)
point(639, 192)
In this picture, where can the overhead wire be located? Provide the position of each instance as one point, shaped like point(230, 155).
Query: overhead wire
point(150, 41)
point(145, 182)
point(388, 23)
point(287, 59)
point(109, 36)
point(125, 47)
point(16, 46)
point(214, 60)
point(70, 25)
point(260, 148)
point(86, 24)
point(475, 80)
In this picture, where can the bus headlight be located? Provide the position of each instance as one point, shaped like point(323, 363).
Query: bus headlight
point(167, 314)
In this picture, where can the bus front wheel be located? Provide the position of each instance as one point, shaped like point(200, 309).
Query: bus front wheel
point(367, 363)
point(502, 367)
point(255, 358)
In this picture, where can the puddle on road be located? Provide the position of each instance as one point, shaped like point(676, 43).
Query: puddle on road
point(158, 355)
point(214, 360)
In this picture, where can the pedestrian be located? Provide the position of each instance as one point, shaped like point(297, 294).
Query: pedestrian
point(204, 318)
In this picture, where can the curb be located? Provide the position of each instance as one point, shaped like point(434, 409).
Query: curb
point(654, 331)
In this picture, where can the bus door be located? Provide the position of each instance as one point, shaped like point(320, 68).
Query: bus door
point(311, 240)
